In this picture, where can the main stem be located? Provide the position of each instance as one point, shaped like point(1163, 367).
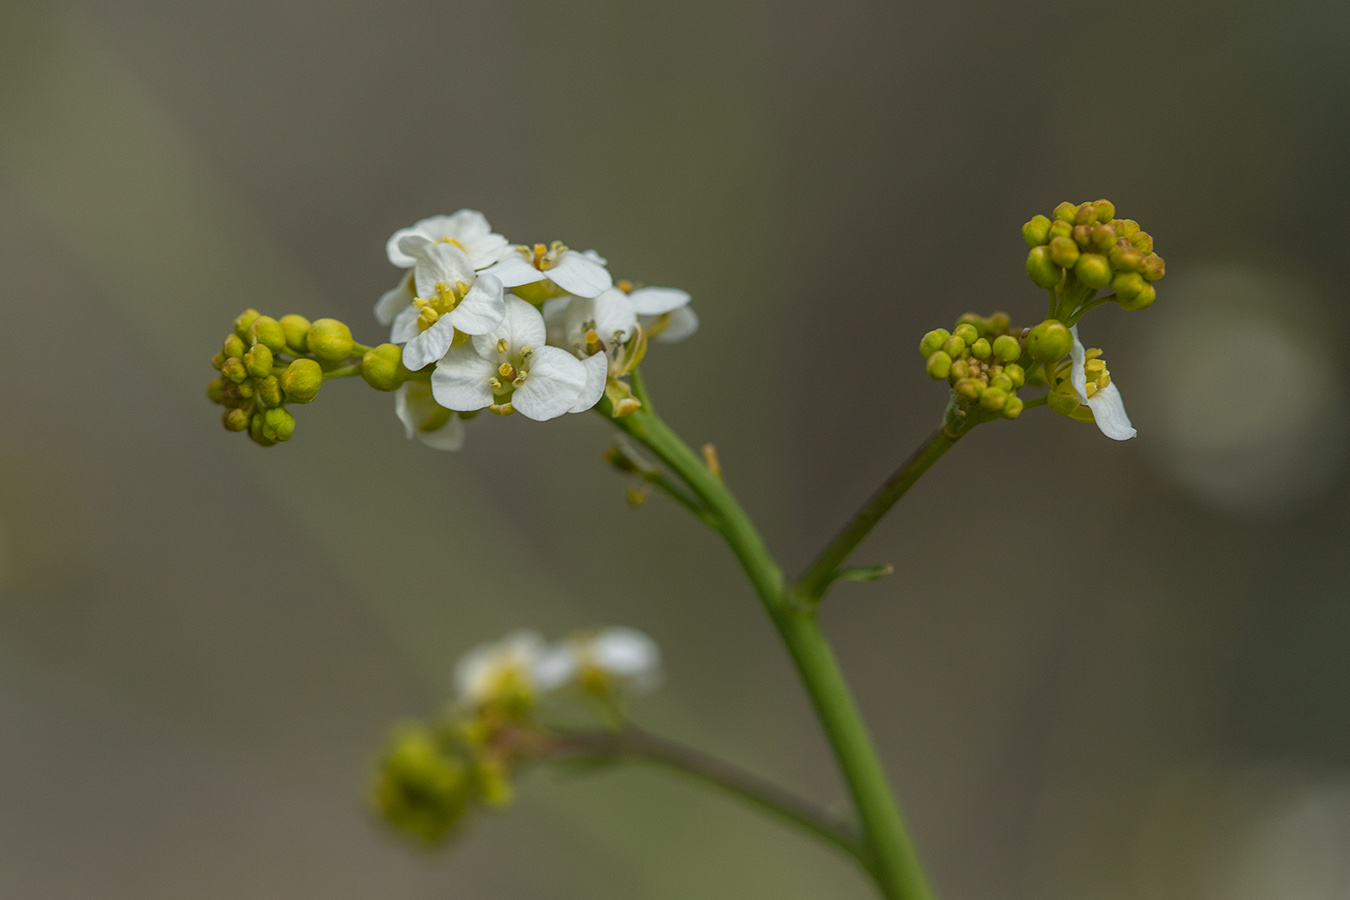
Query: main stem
point(890, 854)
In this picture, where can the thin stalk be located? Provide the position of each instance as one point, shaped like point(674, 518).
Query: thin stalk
point(634, 744)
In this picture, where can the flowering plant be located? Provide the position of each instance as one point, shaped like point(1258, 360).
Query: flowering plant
point(477, 323)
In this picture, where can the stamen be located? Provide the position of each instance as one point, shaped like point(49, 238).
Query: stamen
point(502, 345)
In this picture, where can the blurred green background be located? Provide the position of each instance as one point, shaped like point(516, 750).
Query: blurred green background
point(1103, 670)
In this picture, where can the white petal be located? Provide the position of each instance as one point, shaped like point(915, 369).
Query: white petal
point(405, 325)
point(595, 257)
point(482, 308)
point(1108, 411)
point(555, 382)
point(392, 301)
point(522, 326)
point(626, 652)
point(444, 263)
point(613, 314)
point(683, 323)
point(408, 243)
point(475, 670)
point(460, 380)
point(597, 375)
point(449, 436)
point(579, 274)
point(514, 271)
point(556, 319)
point(430, 345)
point(415, 406)
point(393, 251)
point(556, 668)
point(653, 301)
point(1078, 374)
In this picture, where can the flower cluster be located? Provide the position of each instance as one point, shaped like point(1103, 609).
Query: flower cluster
point(542, 330)
point(983, 359)
point(433, 774)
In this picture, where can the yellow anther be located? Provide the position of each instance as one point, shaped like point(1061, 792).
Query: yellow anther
point(507, 371)
point(494, 384)
point(593, 345)
point(502, 345)
point(526, 353)
point(540, 251)
point(420, 302)
point(625, 286)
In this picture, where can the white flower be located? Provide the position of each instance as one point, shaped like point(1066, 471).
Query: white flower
point(425, 419)
point(500, 671)
point(599, 662)
point(466, 229)
point(595, 330)
point(553, 271)
point(1100, 394)
point(450, 297)
point(510, 369)
point(663, 312)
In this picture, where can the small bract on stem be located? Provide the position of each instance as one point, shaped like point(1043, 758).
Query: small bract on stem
point(478, 323)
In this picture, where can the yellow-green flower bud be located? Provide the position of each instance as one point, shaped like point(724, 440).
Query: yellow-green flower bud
point(234, 348)
point(1012, 408)
point(243, 321)
point(1106, 210)
point(1042, 268)
point(420, 789)
point(933, 341)
point(234, 370)
point(1036, 231)
point(1016, 374)
point(1104, 238)
point(258, 361)
point(244, 389)
point(217, 361)
point(1093, 270)
point(967, 332)
point(998, 323)
point(1001, 381)
point(1127, 285)
point(215, 390)
point(993, 399)
point(960, 369)
point(1142, 300)
point(1142, 241)
point(968, 388)
point(382, 367)
point(269, 391)
point(255, 431)
point(1063, 253)
point(1065, 212)
point(235, 419)
point(1060, 228)
point(1049, 341)
point(301, 380)
point(1082, 236)
point(1127, 227)
point(939, 365)
point(329, 340)
point(1126, 259)
point(954, 346)
point(278, 424)
point(296, 331)
point(1007, 348)
point(981, 349)
point(1153, 267)
point(267, 331)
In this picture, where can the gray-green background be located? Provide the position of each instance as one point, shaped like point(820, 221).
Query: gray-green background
point(1102, 671)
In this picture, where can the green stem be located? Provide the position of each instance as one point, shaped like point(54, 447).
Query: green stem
point(818, 576)
point(632, 743)
point(890, 854)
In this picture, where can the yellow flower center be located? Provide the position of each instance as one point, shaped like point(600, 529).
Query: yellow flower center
point(443, 300)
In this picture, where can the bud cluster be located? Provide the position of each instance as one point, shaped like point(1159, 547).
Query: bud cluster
point(267, 364)
point(985, 361)
point(1083, 248)
point(431, 776)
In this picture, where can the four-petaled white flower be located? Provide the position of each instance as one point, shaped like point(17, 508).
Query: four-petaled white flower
point(616, 657)
point(510, 368)
point(1100, 393)
point(595, 329)
point(450, 296)
point(466, 229)
point(539, 272)
point(425, 419)
point(500, 671)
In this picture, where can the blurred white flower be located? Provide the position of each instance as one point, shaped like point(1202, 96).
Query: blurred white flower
point(500, 671)
point(511, 369)
point(613, 658)
point(450, 297)
point(425, 419)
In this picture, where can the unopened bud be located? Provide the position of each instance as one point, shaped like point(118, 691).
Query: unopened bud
point(1036, 231)
point(215, 390)
point(301, 380)
point(217, 361)
point(1012, 408)
point(234, 370)
point(330, 340)
point(1142, 300)
point(1007, 348)
point(267, 331)
point(981, 349)
point(382, 367)
point(278, 424)
point(954, 346)
point(1104, 238)
point(1093, 270)
point(993, 399)
point(1126, 259)
point(1106, 210)
point(244, 390)
point(234, 348)
point(1082, 236)
point(1001, 381)
point(1085, 214)
point(960, 368)
point(1042, 268)
point(1065, 212)
point(1127, 285)
point(1142, 241)
point(1153, 267)
point(1049, 341)
point(235, 419)
point(998, 323)
point(967, 331)
point(258, 361)
point(933, 341)
point(1060, 228)
point(243, 321)
point(1064, 252)
point(296, 330)
point(939, 365)
point(1016, 374)
point(968, 388)
point(1127, 227)
point(269, 391)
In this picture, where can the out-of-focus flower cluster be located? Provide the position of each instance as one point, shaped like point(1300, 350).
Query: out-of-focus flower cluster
point(540, 330)
point(433, 775)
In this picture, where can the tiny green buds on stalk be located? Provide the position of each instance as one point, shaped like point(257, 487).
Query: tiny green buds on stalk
point(382, 367)
point(977, 358)
point(329, 340)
